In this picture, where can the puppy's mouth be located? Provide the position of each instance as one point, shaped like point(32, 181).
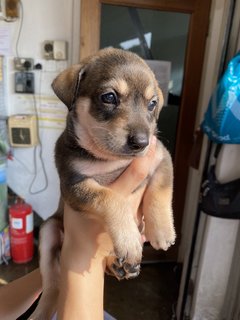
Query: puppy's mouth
point(122, 153)
point(134, 146)
point(113, 152)
point(110, 148)
point(137, 152)
point(104, 145)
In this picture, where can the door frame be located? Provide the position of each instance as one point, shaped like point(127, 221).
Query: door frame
point(197, 35)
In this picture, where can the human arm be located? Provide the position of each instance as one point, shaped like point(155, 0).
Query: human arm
point(17, 296)
point(86, 247)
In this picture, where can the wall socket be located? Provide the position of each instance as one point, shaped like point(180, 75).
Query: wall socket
point(55, 50)
point(24, 82)
point(23, 64)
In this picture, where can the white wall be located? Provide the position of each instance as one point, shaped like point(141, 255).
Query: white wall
point(42, 20)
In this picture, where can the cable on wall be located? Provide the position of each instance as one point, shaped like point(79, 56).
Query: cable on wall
point(21, 14)
point(39, 146)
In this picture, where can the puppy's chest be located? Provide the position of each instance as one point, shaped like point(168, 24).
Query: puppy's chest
point(104, 172)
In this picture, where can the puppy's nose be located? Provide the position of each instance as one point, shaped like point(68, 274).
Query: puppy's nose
point(138, 141)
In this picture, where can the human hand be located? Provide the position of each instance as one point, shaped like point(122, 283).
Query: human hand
point(87, 246)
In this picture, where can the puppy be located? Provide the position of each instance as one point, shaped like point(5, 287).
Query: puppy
point(114, 101)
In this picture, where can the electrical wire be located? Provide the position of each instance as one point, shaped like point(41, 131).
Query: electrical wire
point(36, 148)
point(22, 164)
point(20, 27)
point(37, 119)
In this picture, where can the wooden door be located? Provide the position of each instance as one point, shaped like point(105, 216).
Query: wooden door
point(197, 12)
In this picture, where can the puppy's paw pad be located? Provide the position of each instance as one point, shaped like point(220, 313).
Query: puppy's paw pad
point(132, 270)
point(126, 271)
point(118, 272)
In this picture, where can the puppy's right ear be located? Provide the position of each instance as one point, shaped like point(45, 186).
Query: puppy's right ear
point(66, 84)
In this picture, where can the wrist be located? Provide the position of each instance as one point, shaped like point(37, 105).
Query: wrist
point(82, 285)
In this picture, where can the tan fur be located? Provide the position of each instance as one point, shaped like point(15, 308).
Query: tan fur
point(149, 92)
point(118, 84)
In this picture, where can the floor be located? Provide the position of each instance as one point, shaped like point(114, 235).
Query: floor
point(153, 295)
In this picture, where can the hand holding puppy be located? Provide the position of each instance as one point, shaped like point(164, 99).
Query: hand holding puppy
point(85, 252)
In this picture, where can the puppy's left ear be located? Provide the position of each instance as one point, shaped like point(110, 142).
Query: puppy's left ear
point(66, 84)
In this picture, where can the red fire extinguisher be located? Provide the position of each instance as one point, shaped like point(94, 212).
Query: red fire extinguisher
point(21, 232)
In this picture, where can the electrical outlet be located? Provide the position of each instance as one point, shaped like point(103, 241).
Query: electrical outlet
point(23, 64)
point(54, 50)
point(24, 82)
point(60, 50)
point(48, 50)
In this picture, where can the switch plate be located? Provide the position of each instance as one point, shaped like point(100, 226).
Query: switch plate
point(60, 50)
point(54, 50)
point(24, 82)
point(21, 64)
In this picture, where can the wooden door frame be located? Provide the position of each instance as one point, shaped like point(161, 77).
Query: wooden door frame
point(199, 11)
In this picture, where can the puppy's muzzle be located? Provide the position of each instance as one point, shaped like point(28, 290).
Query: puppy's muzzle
point(138, 141)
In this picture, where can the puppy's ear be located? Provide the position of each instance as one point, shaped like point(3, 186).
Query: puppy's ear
point(161, 101)
point(66, 84)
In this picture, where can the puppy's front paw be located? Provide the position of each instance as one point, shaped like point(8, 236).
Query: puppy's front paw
point(121, 269)
point(128, 245)
point(160, 237)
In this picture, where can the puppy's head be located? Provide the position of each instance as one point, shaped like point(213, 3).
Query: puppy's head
point(113, 100)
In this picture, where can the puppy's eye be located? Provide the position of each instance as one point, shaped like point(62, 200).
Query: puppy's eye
point(109, 98)
point(152, 105)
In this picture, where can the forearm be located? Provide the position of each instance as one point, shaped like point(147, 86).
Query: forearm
point(17, 296)
point(82, 283)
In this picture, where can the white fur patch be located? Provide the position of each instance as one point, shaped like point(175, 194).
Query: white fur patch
point(93, 168)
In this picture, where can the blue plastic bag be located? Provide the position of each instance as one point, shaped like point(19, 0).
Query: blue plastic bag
point(222, 119)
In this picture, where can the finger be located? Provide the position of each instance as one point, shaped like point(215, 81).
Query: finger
point(136, 173)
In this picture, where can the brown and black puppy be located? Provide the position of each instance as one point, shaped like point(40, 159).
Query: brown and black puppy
point(114, 101)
